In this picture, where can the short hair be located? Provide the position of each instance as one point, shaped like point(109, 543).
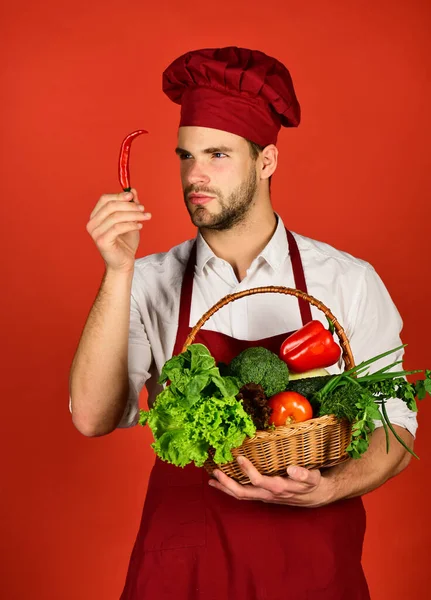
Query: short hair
point(255, 149)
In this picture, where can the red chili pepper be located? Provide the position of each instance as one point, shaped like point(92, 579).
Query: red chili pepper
point(311, 347)
point(123, 164)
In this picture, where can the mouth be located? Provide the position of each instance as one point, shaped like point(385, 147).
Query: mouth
point(198, 199)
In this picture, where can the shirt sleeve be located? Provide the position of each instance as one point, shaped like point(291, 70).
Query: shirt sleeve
point(376, 329)
point(139, 362)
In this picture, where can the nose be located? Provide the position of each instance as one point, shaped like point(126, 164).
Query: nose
point(195, 174)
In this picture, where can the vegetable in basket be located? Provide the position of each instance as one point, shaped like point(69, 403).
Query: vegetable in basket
point(197, 411)
point(202, 411)
point(308, 386)
point(288, 408)
point(311, 347)
point(361, 398)
point(259, 365)
point(255, 403)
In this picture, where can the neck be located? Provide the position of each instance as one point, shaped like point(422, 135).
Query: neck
point(240, 245)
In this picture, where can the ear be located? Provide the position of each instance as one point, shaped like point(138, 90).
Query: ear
point(269, 161)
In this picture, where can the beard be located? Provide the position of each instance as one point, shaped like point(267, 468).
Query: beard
point(233, 208)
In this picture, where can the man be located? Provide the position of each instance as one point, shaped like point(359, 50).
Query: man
point(298, 536)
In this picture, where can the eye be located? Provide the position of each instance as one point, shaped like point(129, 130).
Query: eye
point(185, 156)
point(219, 154)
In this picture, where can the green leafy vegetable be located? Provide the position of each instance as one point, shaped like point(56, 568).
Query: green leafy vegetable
point(259, 365)
point(423, 386)
point(361, 398)
point(197, 411)
point(342, 401)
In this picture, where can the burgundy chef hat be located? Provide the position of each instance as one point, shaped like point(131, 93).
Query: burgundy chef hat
point(241, 91)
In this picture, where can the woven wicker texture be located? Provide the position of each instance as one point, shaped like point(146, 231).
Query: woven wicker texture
point(313, 444)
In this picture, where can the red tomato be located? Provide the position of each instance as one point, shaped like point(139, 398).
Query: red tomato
point(289, 407)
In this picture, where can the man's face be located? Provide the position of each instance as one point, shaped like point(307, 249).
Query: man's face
point(218, 176)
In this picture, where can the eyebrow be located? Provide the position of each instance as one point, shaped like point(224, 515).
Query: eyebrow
point(212, 150)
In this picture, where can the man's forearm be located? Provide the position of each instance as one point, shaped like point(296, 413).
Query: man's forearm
point(99, 378)
point(359, 476)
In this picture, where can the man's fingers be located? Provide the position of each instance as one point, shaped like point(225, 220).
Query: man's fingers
point(106, 240)
point(113, 212)
point(306, 476)
point(218, 486)
point(274, 485)
point(250, 470)
point(239, 491)
point(300, 481)
point(110, 205)
point(135, 197)
point(116, 219)
point(106, 198)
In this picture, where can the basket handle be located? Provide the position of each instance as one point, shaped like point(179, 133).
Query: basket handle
point(273, 289)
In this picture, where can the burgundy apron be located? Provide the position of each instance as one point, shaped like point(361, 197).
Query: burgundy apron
point(197, 543)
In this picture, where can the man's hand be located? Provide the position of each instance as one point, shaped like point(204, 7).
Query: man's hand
point(114, 226)
point(300, 487)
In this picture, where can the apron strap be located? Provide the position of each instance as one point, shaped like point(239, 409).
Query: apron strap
point(299, 275)
point(185, 302)
point(187, 290)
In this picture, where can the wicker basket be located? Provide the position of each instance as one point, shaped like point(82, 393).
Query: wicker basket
point(312, 444)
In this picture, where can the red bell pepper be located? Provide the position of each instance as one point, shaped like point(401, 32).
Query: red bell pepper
point(311, 347)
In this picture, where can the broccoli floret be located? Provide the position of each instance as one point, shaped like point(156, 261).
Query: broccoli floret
point(259, 365)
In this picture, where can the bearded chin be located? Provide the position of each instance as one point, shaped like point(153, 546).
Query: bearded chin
point(233, 210)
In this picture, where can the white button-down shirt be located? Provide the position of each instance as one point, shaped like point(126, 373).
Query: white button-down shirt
point(349, 287)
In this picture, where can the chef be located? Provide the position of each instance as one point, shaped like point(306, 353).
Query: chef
point(295, 537)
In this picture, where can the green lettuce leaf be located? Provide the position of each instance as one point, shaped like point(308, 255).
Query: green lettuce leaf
point(197, 411)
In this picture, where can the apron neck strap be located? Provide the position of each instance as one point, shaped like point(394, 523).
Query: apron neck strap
point(299, 276)
point(186, 301)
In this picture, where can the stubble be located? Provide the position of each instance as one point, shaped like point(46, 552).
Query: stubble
point(233, 209)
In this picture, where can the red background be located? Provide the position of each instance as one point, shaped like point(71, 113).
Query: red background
point(77, 77)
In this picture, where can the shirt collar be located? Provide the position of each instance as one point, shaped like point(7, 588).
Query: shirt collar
point(203, 253)
point(277, 249)
point(274, 253)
